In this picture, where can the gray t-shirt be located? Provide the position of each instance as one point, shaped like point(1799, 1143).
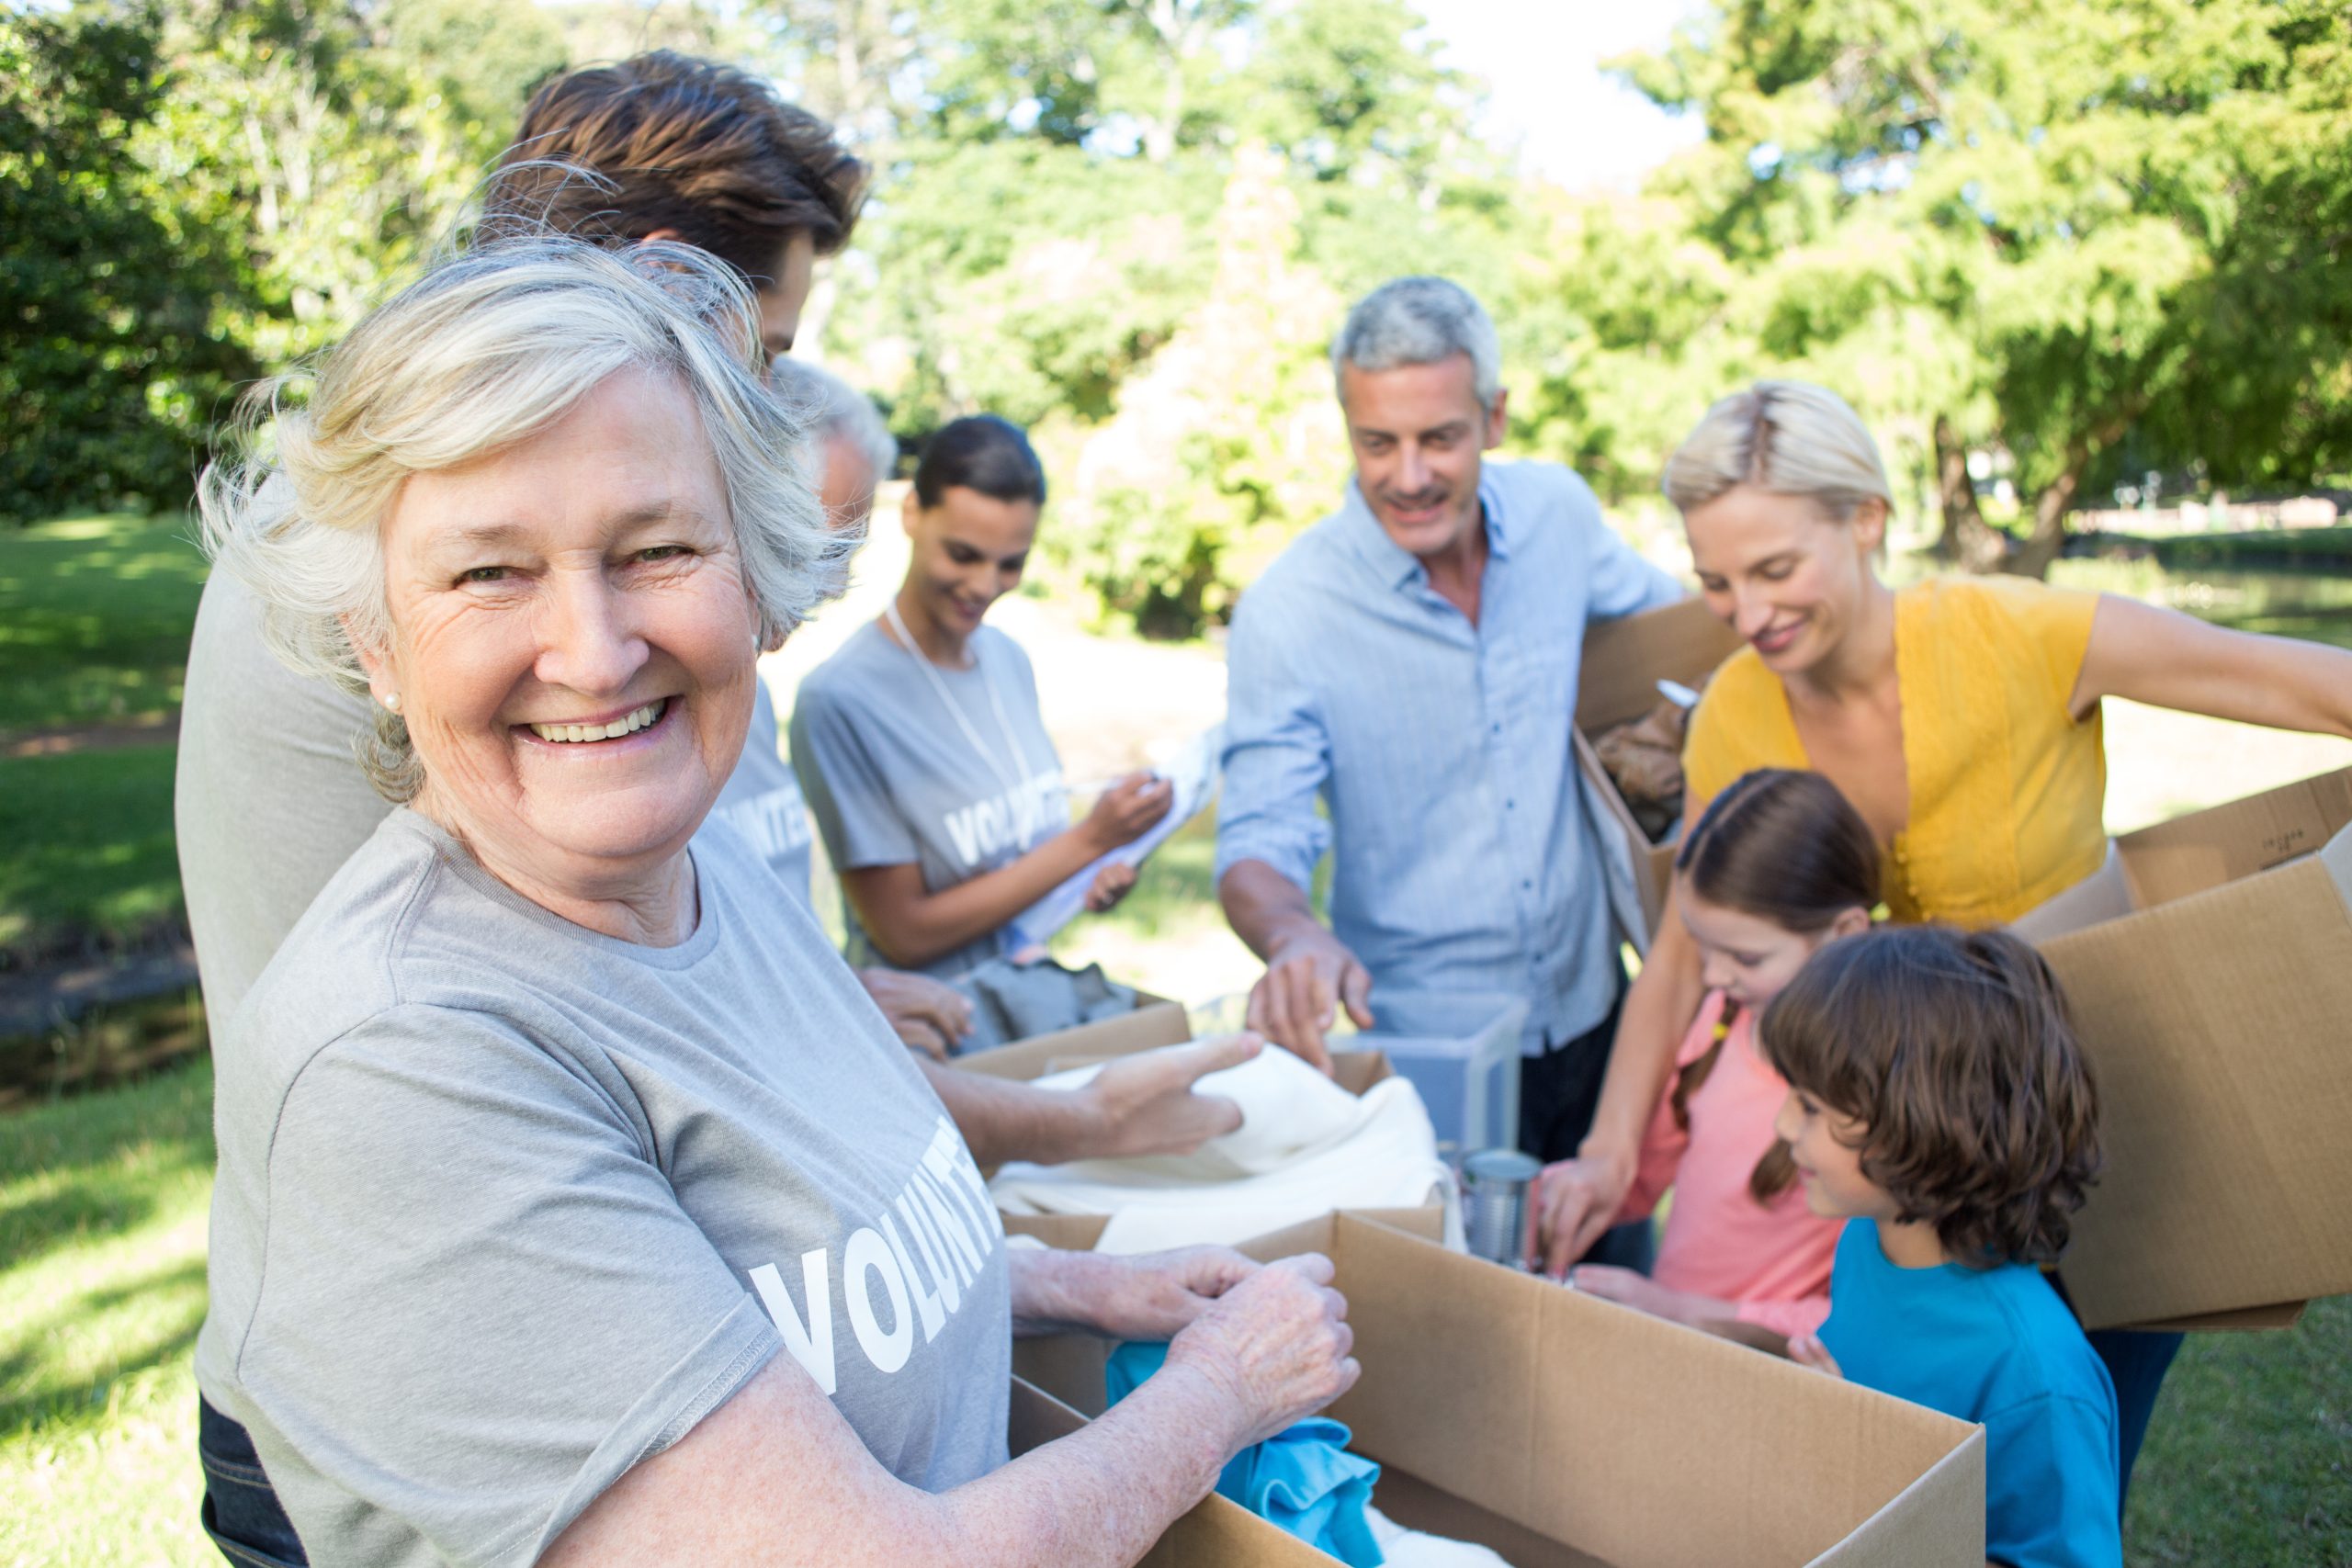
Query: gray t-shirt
point(893, 778)
point(506, 1207)
point(268, 799)
point(761, 800)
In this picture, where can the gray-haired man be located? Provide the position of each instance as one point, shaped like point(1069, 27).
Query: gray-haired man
point(1412, 660)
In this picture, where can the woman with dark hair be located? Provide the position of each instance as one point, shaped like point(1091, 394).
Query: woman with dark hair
point(919, 742)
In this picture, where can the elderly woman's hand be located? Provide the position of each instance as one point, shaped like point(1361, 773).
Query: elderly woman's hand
point(1278, 1345)
point(1156, 1295)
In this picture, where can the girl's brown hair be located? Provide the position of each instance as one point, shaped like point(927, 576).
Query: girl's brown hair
point(671, 142)
point(1955, 1051)
point(1784, 846)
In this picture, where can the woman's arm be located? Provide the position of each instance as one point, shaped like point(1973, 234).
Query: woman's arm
point(912, 927)
point(775, 1476)
point(2173, 660)
point(1577, 1199)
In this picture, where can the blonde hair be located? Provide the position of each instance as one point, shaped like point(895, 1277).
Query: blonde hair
point(487, 350)
point(1788, 438)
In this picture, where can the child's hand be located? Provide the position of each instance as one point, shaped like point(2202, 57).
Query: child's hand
point(1640, 1292)
point(1807, 1350)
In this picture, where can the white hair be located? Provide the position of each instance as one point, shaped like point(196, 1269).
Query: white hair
point(833, 410)
point(491, 348)
point(1788, 438)
point(1421, 320)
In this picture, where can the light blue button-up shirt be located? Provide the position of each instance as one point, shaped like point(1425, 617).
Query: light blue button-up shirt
point(1465, 859)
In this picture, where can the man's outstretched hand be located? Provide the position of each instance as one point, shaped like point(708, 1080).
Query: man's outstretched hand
point(1308, 980)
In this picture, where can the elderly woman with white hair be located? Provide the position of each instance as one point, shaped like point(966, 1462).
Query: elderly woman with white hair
point(555, 1120)
point(1960, 716)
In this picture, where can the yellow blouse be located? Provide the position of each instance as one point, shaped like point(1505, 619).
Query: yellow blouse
point(2007, 790)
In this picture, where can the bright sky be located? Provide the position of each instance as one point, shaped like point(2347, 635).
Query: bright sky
point(1542, 59)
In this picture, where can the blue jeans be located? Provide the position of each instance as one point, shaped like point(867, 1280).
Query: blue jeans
point(241, 1513)
point(2137, 1361)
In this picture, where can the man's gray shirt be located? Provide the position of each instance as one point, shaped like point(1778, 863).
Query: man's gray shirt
point(506, 1206)
point(270, 800)
point(894, 779)
point(1462, 859)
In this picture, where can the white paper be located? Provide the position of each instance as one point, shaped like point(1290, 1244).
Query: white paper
point(1193, 772)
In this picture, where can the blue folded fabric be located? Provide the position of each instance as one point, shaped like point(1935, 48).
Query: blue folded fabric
point(1302, 1478)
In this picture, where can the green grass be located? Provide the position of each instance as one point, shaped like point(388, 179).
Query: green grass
point(89, 843)
point(94, 614)
point(102, 1224)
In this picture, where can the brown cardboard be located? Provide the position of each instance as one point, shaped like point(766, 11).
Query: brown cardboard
point(1154, 1023)
point(1561, 1430)
point(1617, 680)
point(2214, 1011)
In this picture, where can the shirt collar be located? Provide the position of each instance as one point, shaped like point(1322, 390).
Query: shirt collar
point(1400, 568)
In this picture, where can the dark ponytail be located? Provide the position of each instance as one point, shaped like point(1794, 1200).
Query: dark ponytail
point(1782, 846)
point(982, 452)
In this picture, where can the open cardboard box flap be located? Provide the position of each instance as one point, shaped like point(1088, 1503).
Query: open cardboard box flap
point(2209, 970)
point(1561, 1430)
point(1616, 681)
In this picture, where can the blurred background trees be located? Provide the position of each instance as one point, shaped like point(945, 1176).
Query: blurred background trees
point(2048, 246)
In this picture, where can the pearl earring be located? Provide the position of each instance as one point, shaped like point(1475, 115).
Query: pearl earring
point(393, 700)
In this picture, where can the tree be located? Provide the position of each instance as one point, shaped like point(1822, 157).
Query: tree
point(111, 369)
point(2074, 189)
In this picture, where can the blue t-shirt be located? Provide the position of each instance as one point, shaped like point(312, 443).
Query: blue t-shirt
point(1996, 1346)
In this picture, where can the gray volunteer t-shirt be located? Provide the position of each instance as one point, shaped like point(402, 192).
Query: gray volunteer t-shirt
point(892, 778)
point(268, 798)
point(506, 1207)
point(761, 800)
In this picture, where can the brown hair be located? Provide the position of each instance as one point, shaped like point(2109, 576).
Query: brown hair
point(673, 142)
point(1784, 846)
point(1955, 1051)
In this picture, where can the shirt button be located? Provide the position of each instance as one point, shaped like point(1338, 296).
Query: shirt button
point(1511, 805)
point(1524, 882)
point(1496, 727)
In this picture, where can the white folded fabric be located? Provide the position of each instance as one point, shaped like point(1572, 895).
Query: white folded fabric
point(1305, 1146)
point(1411, 1549)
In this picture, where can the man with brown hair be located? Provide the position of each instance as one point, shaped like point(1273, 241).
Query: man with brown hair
point(682, 149)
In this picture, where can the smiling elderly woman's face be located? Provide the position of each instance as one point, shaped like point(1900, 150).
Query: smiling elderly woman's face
point(573, 638)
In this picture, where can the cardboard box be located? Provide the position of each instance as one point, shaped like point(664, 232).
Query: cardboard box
point(1560, 1429)
point(2210, 968)
point(1623, 661)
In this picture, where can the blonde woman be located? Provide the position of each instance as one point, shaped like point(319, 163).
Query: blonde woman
point(575, 1204)
point(1961, 717)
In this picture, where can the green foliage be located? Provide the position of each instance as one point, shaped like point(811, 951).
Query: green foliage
point(2057, 224)
point(110, 371)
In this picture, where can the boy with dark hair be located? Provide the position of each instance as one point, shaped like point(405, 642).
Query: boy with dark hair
point(1939, 1101)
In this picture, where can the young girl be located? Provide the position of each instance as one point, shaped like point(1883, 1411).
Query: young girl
point(1939, 1104)
point(1778, 865)
point(919, 743)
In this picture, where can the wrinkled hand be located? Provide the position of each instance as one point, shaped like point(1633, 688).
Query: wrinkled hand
point(1807, 1350)
point(1576, 1200)
point(1308, 980)
point(1110, 885)
point(1145, 1105)
point(1277, 1345)
point(929, 1016)
point(1156, 1295)
point(1127, 810)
